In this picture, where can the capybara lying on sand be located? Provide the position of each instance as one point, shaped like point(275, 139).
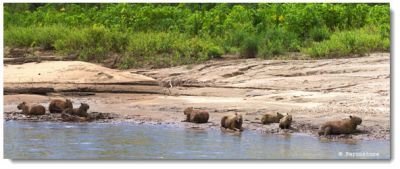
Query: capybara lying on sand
point(31, 110)
point(71, 118)
point(233, 122)
point(58, 105)
point(196, 116)
point(345, 126)
point(285, 122)
point(269, 118)
point(81, 111)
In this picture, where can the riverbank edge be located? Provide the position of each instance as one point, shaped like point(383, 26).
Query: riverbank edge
point(302, 129)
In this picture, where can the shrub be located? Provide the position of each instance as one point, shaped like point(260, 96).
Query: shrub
point(19, 37)
point(162, 49)
point(43, 37)
point(345, 43)
point(277, 42)
point(249, 47)
point(93, 43)
point(215, 52)
point(319, 34)
point(71, 43)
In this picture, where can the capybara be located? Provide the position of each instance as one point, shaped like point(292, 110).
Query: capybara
point(269, 118)
point(31, 110)
point(81, 111)
point(71, 118)
point(285, 122)
point(345, 126)
point(233, 122)
point(196, 116)
point(58, 105)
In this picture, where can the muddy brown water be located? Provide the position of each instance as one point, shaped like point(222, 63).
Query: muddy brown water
point(49, 140)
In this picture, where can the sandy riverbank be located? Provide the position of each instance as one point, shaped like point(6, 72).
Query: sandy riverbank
point(313, 91)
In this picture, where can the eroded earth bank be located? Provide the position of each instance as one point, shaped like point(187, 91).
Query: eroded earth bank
point(313, 91)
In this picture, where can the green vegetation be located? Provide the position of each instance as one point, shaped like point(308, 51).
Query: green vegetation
point(354, 42)
point(161, 35)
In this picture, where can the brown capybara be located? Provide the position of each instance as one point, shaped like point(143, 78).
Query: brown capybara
point(269, 118)
point(196, 116)
point(58, 105)
point(233, 122)
point(81, 111)
point(31, 110)
point(285, 122)
point(71, 118)
point(345, 126)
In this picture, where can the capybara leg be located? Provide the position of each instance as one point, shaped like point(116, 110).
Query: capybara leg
point(320, 132)
point(327, 131)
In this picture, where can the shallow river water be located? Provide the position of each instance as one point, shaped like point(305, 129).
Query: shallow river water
point(46, 140)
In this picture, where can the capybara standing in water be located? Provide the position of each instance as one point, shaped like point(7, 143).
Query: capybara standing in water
point(196, 116)
point(285, 122)
point(345, 126)
point(58, 105)
point(81, 111)
point(31, 110)
point(233, 122)
point(269, 118)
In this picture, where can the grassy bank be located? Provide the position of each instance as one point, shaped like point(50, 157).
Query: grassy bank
point(162, 35)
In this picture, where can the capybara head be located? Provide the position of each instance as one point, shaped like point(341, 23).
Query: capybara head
point(21, 105)
point(239, 118)
point(279, 115)
point(188, 110)
point(288, 117)
point(355, 120)
point(84, 106)
point(68, 102)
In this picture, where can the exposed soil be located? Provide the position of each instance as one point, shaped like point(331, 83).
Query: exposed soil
point(313, 91)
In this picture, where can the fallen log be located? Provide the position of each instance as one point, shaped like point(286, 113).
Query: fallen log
point(21, 60)
point(78, 89)
point(28, 90)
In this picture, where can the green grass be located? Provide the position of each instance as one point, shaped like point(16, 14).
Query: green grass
point(97, 43)
point(163, 49)
point(162, 35)
point(349, 43)
point(43, 37)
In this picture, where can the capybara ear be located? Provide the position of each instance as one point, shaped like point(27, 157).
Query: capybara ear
point(278, 113)
point(351, 116)
point(23, 102)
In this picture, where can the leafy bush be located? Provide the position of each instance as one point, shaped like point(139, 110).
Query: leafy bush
point(277, 42)
point(43, 37)
point(162, 35)
point(249, 47)
point(93, 43)
point(215, 52)
point(319, 34)
point(345, 43)
point(167, 49)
